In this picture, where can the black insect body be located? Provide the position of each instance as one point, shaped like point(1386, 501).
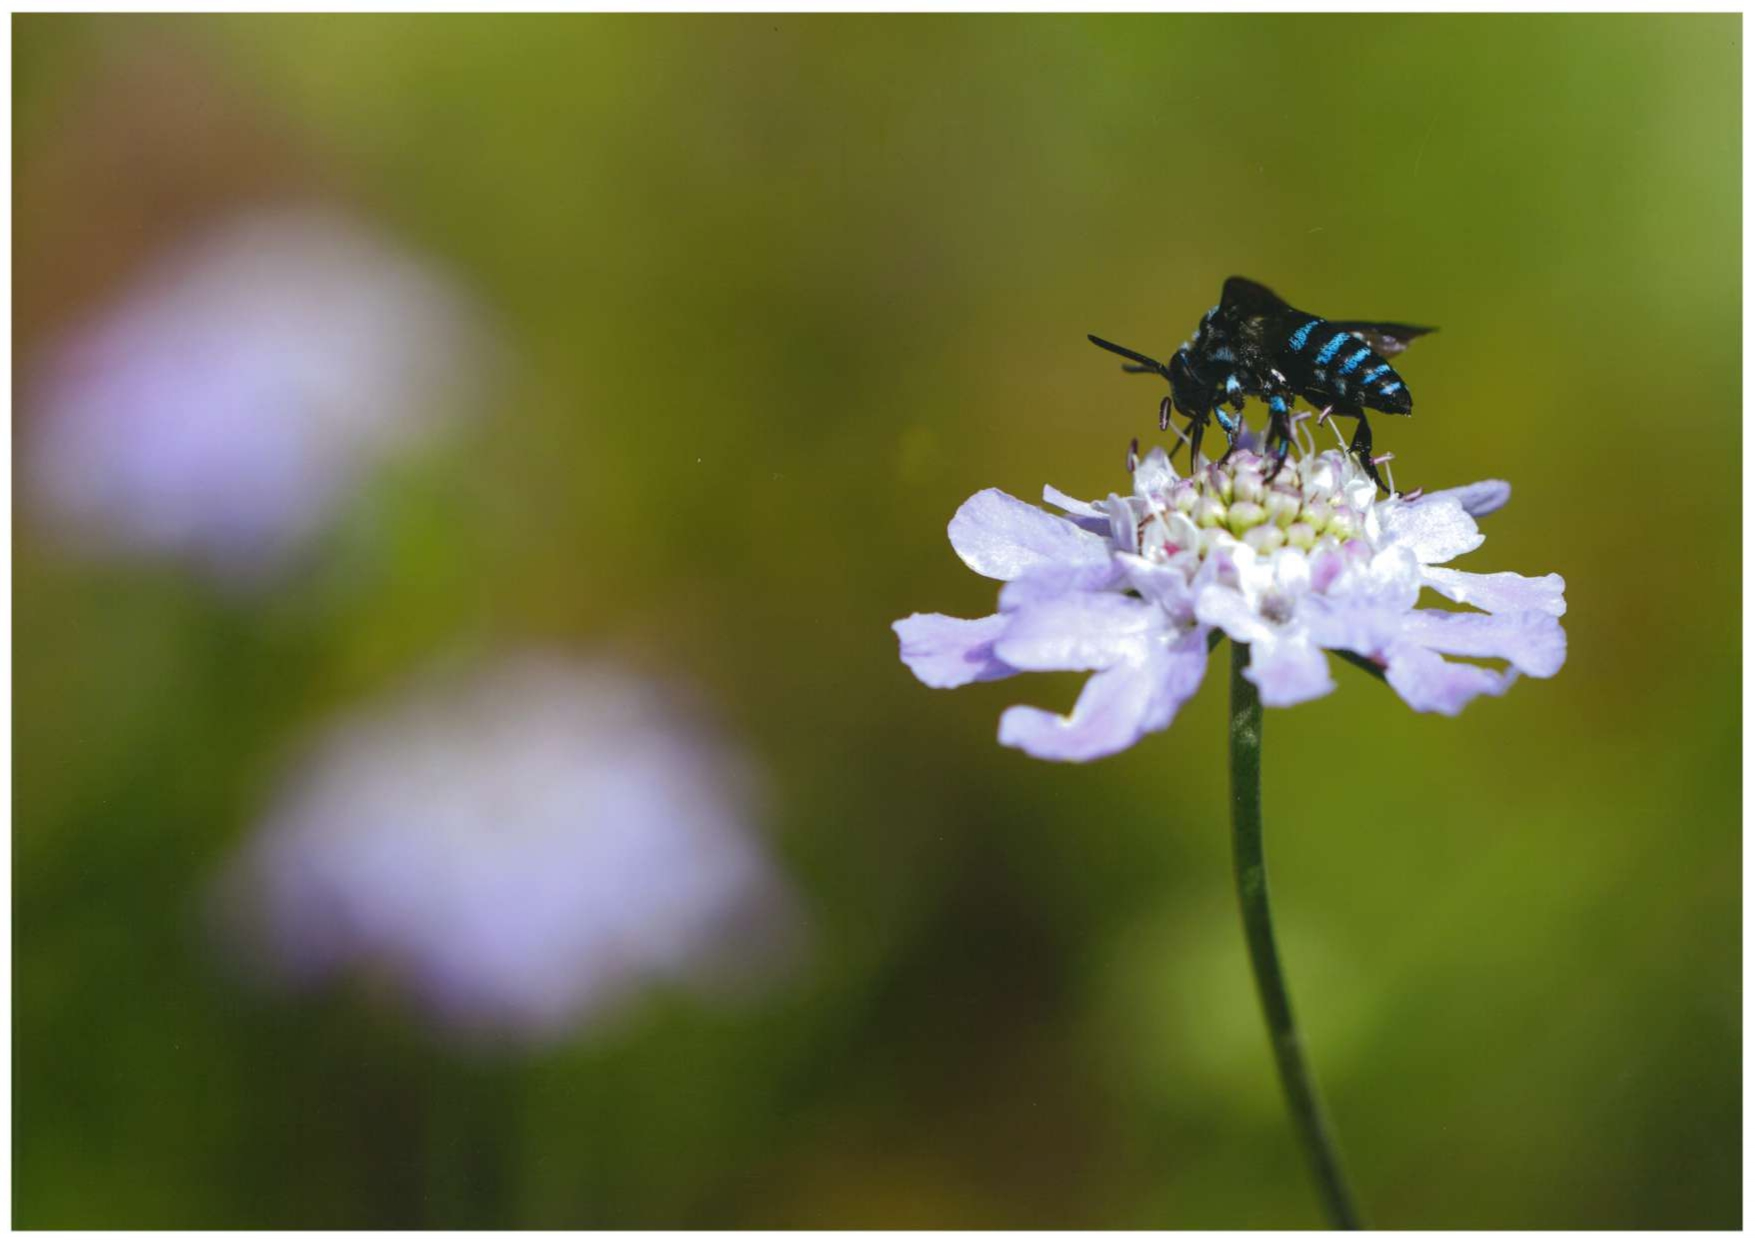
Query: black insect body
point(1252, 344)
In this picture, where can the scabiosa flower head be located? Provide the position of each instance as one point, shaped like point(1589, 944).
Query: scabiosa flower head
point(224, 408)
point(1132, 588)
point(518, 853)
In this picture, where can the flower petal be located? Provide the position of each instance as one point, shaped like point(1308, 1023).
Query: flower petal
point(1165, 583)
point(1434, 529)
point(1502, 592)
point(1477, 499)
point(1429, 683)
point(1366, 627)
point(1154, 474)
point(1082, 512)
point(1082, 630)
point(999, 536)
point(1053, 581)
point(1116, 708)
point(1124, 522)
point(1288, 669)
point(1226, 608)
point(1531, 641)
point(1389, 580)
point(951, 651)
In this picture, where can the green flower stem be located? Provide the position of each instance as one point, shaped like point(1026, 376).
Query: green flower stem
point(470, 1144)
point(1258, 926)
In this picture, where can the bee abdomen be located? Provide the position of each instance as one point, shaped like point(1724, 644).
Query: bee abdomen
point(1341, 364)
point(1300, 338)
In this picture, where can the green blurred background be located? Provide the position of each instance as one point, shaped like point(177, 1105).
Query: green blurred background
point(780, 292)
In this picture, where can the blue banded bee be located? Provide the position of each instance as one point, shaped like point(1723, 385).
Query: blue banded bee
point(1253, 344)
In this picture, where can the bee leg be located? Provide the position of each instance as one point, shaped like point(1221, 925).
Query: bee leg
point(1280, 432)
point(1232, 426)
point(1282, 446)
point(1196, 429)
point(1234, 396)
point(1360, 448)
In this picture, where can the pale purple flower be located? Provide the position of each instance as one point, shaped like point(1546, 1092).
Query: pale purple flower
point(519, 852)
point(1132, 588)
point(229, 403)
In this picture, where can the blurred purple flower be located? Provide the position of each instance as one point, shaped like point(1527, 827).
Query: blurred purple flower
point(1131, 588)
point(227, 405)
point(520, 853)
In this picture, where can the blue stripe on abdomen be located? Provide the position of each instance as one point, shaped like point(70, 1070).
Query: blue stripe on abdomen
point(1353, 360)
point(1333, 347)
point(1374, 372)
point(1390, 389)
point(1297, 339)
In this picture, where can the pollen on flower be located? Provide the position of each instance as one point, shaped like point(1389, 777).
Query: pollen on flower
point(1315, 502)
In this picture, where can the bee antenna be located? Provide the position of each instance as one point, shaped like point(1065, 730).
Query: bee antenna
point(1145, 364)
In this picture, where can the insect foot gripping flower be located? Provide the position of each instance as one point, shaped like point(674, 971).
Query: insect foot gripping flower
point(1132, 588)
point(224, 409)
point(517, 854)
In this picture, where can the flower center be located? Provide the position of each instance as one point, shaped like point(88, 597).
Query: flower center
point(1308, 504)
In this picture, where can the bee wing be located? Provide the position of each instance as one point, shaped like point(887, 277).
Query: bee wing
point(1388, 339)
point(1246, 295)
